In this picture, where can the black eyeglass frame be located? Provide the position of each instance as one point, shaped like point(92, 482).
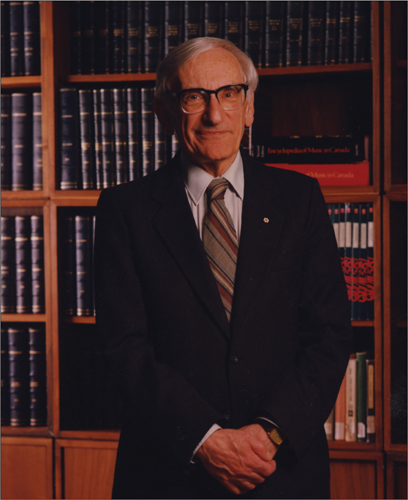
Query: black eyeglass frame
point(208, 93)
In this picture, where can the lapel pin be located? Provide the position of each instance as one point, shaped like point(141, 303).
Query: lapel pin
point(266, 220)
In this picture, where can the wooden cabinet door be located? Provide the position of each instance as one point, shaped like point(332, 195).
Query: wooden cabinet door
point(84, 469)
point(26, 467)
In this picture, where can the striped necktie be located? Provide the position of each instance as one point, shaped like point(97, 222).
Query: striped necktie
point(220, 241)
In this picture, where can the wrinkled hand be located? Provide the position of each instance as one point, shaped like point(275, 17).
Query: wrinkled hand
point(239, 459)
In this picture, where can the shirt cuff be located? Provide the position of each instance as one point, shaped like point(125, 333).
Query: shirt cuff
point(210, 431)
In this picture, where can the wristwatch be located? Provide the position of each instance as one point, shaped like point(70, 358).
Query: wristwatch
point(274, 433)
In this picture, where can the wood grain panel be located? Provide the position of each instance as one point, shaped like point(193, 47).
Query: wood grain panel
point(397, 475)
point(26, 468)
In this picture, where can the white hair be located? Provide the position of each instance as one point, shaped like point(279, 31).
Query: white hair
point(168, 69)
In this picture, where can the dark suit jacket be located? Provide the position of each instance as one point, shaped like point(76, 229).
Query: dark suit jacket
point(181, 367)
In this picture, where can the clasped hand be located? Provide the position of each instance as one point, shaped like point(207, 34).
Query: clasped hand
point(239, 459)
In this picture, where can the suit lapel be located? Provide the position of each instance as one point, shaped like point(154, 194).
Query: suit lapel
point(262, 223)
point(175, 224)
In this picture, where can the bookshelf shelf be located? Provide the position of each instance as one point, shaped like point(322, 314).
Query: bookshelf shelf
point(315, 70)
point(25, 431)
point(117, 77)
point(344, 445)
point(19, 82)
point(22, 195)
point(85, 320)
point(105, 434)
point(23, 318)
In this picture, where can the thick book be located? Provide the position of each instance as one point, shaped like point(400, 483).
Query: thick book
point(346, 32)
point(37, 374)
point(294, 33)
point(275, 15)
point(315, 32)
point(88, 35)
point(152, 35)
point(370, 262)
point(16, 38)
point(370, 398)
point(362, 275)
point(254, 31)
point(37, 143)
point(351, 400)
point(340, 413)
point(70, 148)
point(134, 36)
point(23, 264)
point(133, 130)
point(121, 144)
point(351, 174)
point(21, 141)
point(234, 13)
point(5, 377)
point(362, 32)
point(37, 265)
point(68, 251)
point(108, 138)
point(311, 149)
point(331, 44)
point(76, 36)
point(173, 25)
point(8, 265)
point(32, 49)
point(213, 19)
point(103, 37)
point(361, 397)
point(118, 37)
point(147, 130)
point(86, 139)
point(83, 265)
point(5, 39)
point(5, 141)
point(19, 376)
point(97, 116)
point(193, 19)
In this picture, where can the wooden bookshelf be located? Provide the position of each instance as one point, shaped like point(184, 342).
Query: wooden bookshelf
point(317, 99)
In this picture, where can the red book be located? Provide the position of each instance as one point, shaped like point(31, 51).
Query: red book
point(349, 174)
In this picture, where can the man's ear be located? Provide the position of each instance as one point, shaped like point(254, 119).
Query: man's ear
point(163, 115)
point(250, 111)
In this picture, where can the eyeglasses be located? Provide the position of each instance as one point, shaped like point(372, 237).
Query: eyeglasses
point(196, 100)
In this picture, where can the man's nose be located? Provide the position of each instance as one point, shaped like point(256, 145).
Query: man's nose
point(214, 112)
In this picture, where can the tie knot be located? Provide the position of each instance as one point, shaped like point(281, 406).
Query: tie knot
point(216, 189)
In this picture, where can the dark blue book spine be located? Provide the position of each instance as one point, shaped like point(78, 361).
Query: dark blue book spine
point(174, 147)
point(121, 145)
point(108, 138)
point(8, 265)
point(5, 39)
point(88, 34)
point(315, 32)
point(5, 142)
point(133, 122)
point(274, 34)
point(5, 378)
point(21, 142)
point(160, 141)
point(69, 139)
point(32, 49)
point(294, 33)
point(362, 32)
point(213, 19)
point(98, 138)
point(76, 37)
point(68, 266)
point(103, 27)
point(118, 38)
point(37, 265)
point(254, 31)
point(173, 25)
point(87, 138)
point(345, 32)
point(38, 390)
point(134, 36)
point(147, 131)
point(37, 143)
point(19, 377)
point(152, 35)
point(331, 45)
point(16, 39)
point(83, 254)
point(234, 13)
point(23, 264)
point(193, 19)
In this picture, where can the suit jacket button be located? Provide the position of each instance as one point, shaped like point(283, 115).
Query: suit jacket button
point(234, 359)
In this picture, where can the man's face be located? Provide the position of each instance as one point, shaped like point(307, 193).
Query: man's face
point(211, 138)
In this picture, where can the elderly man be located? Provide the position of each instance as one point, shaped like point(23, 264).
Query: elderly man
point(221, 302)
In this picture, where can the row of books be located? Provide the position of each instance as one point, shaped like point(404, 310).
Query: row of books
point(20, 39)
point(133, 37)
point(21, 141)
point(110, 136)
point(23, 375)
point(353, 416)
point(22, 264)
point(353, 225)
point(77, 237)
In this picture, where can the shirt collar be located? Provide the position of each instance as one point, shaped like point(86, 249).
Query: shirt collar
point(197, 179)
